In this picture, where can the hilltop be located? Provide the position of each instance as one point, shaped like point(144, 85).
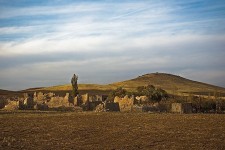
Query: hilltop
point(173, 84)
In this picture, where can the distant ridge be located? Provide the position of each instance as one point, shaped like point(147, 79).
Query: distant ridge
point(6, 92)
point(173, 84)
point(33, 89)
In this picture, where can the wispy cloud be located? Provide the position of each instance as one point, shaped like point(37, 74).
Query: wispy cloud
point(104, 37)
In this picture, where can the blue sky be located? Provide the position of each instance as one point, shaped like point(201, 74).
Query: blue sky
point(42, 43)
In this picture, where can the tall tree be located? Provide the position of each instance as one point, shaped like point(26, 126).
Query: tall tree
point(74, 85)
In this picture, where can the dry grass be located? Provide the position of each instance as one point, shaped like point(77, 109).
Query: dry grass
point(88, 130)
point(171, 83)
point(6, 92)
point(81, 87)
point(175, 85)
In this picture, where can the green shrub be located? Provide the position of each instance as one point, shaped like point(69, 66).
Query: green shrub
point(120, 92)
point(154, 94)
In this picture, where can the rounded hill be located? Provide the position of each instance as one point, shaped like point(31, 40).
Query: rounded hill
point(171, 83)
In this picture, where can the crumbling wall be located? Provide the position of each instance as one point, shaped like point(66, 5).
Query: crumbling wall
point(77, 100)
point(100, 108)
point(27, 102)
point(92, 98)
point(181, 108)
point(112, 107)
point(11, 105)
point(176, 108)
point(3, 102)
point(85, 98)
point(187, 108)
point(142, 99)
point(41, 98)
point(93, 105)
point(81, 100)
point(125, 103)
point(58, 101)
point(68, 98)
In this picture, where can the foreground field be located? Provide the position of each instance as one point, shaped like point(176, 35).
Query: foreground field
point(90, 130)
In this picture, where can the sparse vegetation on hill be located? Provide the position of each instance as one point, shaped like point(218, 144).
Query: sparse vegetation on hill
point(68, 87)
point(173, 84)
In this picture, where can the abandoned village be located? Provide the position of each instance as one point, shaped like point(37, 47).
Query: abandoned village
point(117, 100)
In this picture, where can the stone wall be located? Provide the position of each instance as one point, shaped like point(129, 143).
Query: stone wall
point(11, 105)
point(125, 103)
point(27, 102)
point(85, 98)
point(40, 97)
point(187, 108)
point(3, 102)
point(58, 101)
point(142, 99)
point(112, 107)
point(176, 108)
point(81, 100)
point(181, 108)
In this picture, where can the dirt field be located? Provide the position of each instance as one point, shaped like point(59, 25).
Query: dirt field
point(111, 131)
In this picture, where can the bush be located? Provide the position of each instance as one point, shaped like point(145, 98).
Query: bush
point(120, 92)
point(208, 106)
point(204, 105)
point(153, 94)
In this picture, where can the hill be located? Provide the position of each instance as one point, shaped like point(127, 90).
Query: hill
point(83, 88)
point(173, 84)
point(6, 92)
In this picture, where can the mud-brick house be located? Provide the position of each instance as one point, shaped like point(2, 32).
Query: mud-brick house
point(185, 108)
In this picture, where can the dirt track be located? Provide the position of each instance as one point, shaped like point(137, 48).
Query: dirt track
point(111, 131)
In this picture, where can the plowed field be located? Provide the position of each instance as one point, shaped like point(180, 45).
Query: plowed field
point(89, 130)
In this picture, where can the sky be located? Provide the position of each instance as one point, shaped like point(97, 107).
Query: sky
point(44, 42)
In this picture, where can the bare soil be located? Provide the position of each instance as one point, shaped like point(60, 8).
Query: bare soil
point(89, 130)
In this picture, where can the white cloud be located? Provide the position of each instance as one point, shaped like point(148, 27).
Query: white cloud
point(47, 10)
point(107, 41)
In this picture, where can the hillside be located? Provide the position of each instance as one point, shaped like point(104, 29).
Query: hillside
point(6, 92)
point(171, 83)
point(81, 87)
